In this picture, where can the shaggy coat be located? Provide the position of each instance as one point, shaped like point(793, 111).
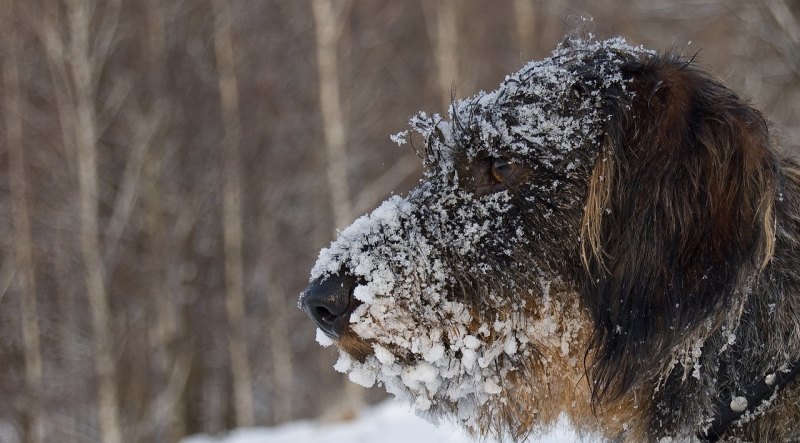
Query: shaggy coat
point(668, 237)
point(690, 241)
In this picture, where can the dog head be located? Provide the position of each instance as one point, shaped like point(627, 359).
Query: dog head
point(584, 218)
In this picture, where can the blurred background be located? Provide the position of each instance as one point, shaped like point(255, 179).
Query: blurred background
point(170, 169)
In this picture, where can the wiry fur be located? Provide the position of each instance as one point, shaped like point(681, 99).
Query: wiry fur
point(690, 242)
point(672, 253)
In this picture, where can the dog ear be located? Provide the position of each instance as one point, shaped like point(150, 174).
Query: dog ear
point(678, 217)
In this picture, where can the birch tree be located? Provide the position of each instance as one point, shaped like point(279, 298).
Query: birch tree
point(281, 352)
point(525, 26)
point(442, 18)
point(23, 243)
point(232, 215)
point(328, 29)
point(328, 25)
point(81, 60)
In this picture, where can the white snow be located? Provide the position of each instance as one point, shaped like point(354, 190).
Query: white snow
point(420, 259)
point(323, 339)
point(388, 422)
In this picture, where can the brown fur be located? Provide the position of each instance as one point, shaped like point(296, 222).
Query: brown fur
point(700, 163)
point(676, 262)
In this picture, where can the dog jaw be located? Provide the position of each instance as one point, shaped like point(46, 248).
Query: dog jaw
point(456, 314)
point(635, 270)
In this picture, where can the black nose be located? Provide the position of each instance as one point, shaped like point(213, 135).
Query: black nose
point(329, 302)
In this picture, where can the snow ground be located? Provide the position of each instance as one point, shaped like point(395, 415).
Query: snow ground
point(387, 422)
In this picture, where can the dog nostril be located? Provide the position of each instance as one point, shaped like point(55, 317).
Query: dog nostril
point(324, 314)
point(329, 302)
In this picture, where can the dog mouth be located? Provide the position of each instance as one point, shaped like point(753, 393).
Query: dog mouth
point(429, 345)
point(330, 302)
point(355, 346)
point(363, 323)
point(386, 294)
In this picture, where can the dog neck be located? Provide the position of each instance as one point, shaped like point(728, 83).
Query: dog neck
point(556, 382)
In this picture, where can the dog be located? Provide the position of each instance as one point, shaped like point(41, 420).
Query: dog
point(611, 235)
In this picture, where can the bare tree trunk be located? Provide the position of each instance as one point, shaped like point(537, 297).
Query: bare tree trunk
point(232, 215)
point(525, 20)
point(443, 28)
point(57, 55)
point(23, 246)
point(281, 352)
point(81, 64)
point(164, 420)
point(328, 30)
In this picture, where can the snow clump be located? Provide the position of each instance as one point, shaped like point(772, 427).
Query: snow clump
point(447, 325)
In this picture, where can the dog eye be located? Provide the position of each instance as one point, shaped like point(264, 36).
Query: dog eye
point(501, 169)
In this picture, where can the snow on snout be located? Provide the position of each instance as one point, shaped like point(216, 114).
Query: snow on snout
point(430, 345)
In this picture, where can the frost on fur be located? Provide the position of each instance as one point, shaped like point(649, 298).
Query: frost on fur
point(446, 323)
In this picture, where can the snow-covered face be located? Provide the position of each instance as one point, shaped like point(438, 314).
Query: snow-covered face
point(451, 285)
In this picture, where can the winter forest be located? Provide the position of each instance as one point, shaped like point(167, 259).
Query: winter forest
point(171, 168)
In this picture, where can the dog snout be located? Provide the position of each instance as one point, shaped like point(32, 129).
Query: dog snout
point(329, 302)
